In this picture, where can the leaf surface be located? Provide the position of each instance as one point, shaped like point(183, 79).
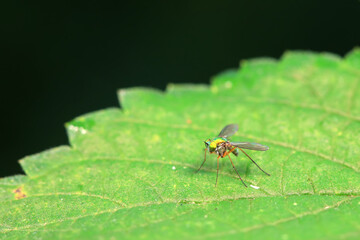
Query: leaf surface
point(130, 173)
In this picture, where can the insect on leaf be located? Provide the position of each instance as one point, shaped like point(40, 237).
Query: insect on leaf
point(129, 173)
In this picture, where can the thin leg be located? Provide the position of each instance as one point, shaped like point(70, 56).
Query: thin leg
point(203, 162)
point(230, 151)
point(236, 170)
point(217, 173)
point(254, 162)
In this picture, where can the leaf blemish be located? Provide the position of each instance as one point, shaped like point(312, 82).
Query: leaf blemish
point(155, 138)
point(78, 129)
point(19, 193)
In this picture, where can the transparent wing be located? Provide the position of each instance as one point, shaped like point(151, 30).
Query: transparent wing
point(229, 130)
point(251, 146)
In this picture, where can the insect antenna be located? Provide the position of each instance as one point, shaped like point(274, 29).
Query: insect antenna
point(254, 162)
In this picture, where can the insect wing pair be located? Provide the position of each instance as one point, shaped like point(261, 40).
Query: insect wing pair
point(231, 129)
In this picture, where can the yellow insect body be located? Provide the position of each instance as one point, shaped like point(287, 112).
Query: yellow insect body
point(215, 142)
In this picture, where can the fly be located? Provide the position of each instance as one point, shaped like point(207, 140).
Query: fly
point(221, 146)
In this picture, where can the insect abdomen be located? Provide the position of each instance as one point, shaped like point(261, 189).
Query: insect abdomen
point(236, 152)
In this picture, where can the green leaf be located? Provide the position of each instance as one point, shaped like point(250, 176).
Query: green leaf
point(130, 173)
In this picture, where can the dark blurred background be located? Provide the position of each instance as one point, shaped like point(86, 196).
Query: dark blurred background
point(60, 60)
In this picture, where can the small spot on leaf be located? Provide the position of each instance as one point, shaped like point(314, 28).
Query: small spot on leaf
point(19, 193)
point(155, 138)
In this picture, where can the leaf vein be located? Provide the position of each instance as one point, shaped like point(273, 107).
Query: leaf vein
point(171, 201)
point(278, 222)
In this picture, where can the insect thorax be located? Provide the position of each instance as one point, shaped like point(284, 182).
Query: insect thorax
point(219, 140)
point(215, 142)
